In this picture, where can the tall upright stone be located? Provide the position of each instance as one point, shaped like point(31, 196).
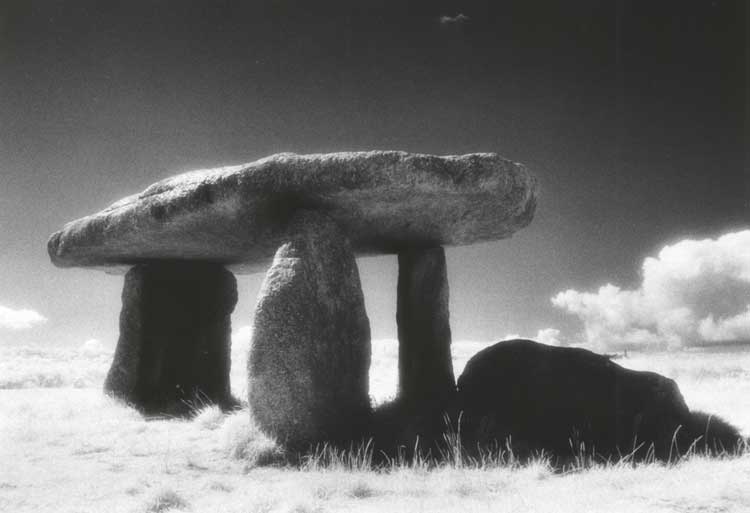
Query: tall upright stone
point(424, 333)
point(310, 353)
point(175, 337)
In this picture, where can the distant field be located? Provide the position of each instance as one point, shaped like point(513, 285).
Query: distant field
point(65, 447)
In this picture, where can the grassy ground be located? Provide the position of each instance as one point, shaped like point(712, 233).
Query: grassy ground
point(72, 449)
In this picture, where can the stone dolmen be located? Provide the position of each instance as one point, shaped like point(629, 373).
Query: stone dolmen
point(303, 219)
point(307, 216)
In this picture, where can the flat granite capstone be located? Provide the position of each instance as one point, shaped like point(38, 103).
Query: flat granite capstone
point(384, 201)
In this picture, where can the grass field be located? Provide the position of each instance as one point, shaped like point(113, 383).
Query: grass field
point(65, 447)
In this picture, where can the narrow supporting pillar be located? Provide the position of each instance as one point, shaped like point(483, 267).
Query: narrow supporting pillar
point(424, 333)
point(310, 354)
point(175, 337)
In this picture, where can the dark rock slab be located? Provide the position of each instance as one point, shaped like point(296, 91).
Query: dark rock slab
point(310, 352)
point(384, 202)
point(175, 337)
point(563, 400)
point(424, 333)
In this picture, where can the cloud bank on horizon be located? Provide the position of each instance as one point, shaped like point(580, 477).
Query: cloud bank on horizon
point(17, 320)
point(693, 293)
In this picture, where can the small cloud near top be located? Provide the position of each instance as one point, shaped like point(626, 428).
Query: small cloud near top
point(458, 19)
point(17, 320)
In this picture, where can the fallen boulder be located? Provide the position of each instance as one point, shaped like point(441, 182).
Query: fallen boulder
point(572, 402)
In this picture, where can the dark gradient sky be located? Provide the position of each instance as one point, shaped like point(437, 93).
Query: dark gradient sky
point(633, 115)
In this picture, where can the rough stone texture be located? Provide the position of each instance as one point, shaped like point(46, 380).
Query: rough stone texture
point(310, 353)
point(543, 397)
point(175, 337)
point(424, 361)
point(384, 201)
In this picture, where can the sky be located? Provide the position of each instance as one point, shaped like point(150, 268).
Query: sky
point(633, 116)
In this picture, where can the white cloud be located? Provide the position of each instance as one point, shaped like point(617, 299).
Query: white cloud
point(731, 328)
point(454, 20)
point(549, 336)
point(93, 347)
point(241, 343)
point(694, 292)
point(19, 319)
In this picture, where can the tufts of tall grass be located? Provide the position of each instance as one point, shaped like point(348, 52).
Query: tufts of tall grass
point(242, 440)
point(452, 454)
point(165, 500)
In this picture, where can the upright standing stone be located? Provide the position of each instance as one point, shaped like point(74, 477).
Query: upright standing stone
point(424, 333)
point(310, 353)
point(175, 336)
